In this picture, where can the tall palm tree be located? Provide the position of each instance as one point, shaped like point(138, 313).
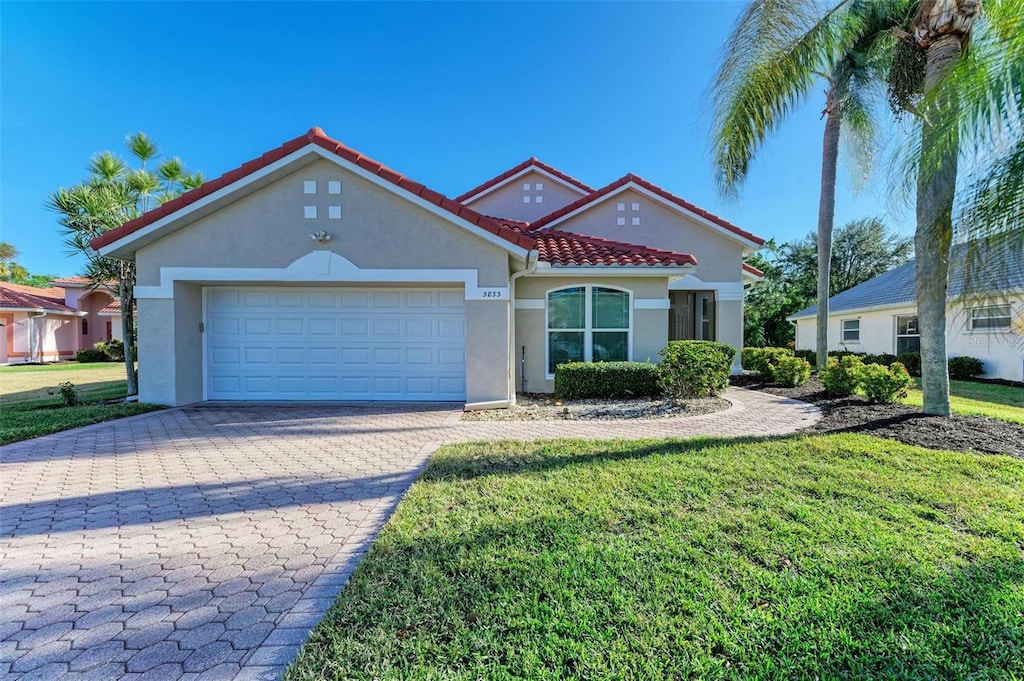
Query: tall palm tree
point(779, 51)
point(110, 196)
point(971, 111)
point(9, 269)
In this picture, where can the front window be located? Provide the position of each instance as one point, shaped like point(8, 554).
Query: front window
point(85, 326)
point(851, 330)
point(587, 324)
point(908, 339)
point(991, 318)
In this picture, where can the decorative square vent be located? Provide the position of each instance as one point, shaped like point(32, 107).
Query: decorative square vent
point(309, 186)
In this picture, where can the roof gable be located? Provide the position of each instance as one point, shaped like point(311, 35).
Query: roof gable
point(313, 142)
point(631, 181)
point(532, 164)
point(31, 298)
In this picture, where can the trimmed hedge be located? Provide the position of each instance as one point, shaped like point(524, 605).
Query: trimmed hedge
point(89, 355)
point(580, 380)
point(965, 368)
point(114, 349)
point(841, 375)
point(791, 371)
point(911, 361)
point(884, 383)
point(696, 368)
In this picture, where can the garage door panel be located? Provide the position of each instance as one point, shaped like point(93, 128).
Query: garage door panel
point(367, 344)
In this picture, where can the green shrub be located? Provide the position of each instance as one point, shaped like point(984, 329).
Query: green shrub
point(885, 359)
point(91, 355)
point(696, 368)
point(579, 380)
point(884, 384)
point(69, 394)
point(792, 371)
point(749, 357)
point(113, 349)
point(911, 361)
point(809, 356)
point(965, 368)
point(840, 375)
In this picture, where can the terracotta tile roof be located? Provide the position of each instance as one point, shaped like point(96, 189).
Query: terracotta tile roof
point(314, 136)
point(532, 161)
point(567, 249)
point(665, 194)
point(752, 270)
point(113, 308)
point(31, 297)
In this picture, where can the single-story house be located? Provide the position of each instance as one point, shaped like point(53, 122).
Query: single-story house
point(315, 273)
point(53, 323)
point(985, 310)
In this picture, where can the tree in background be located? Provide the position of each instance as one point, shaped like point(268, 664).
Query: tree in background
point(862, 249)
point(11, 271)
point(778, 51)
point(111, 195)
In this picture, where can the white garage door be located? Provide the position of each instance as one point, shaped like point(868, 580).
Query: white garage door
point(335, 344)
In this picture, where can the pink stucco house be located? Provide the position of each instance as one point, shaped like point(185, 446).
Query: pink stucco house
point(50, 324)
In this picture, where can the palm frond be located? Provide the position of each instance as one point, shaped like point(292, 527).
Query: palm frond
point(142, 147)
point(105, 166)
point(171, 170)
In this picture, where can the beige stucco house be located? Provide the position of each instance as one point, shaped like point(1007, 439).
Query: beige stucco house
point(984, 312)
point(53, 323)
point(316, 273)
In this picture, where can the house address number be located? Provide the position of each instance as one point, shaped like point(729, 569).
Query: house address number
point(491, 294)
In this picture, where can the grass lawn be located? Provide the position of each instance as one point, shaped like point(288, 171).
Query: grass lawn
point(979, 399)
point(30, 404)
point(839, 556)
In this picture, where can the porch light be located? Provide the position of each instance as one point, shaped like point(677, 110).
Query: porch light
point(322, 237)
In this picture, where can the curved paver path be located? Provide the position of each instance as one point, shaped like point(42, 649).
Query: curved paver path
point(205, 542)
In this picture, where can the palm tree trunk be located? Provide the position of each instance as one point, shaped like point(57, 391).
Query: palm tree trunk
point(826, 217)
point(126, 291)
point(935, 193)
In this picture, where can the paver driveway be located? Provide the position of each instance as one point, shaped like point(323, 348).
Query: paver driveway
point(205, 542)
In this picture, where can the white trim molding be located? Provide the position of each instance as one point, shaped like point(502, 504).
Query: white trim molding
point(529, 303)
point(123, 245)
point(320, 266)
point(724, 290)
point(651, 303)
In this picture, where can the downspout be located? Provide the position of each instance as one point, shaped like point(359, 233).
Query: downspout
point(529, 269)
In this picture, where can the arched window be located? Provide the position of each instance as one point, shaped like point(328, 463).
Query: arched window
point(588, 324)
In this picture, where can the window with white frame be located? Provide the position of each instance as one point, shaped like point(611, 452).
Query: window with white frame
point(908, 338)
point(587, 324)
point(851, 330)
point(990, 318)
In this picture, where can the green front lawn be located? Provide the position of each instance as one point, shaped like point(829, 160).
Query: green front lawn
point(31, 405)
point(979, 399)
point(837, 556)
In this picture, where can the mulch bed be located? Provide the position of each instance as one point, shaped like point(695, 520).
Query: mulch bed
point(907, 424)
point(537, 407)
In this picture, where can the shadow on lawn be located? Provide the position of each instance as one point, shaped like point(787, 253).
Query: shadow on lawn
point(921, 621)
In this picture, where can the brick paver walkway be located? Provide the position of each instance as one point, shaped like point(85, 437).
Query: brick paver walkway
point(206, 542)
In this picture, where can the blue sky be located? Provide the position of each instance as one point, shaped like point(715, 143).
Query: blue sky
point(449, 94)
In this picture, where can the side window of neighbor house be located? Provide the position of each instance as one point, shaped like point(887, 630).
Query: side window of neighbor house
point(851, 330)
point(907, 337)
point(85, 326)
point(990, 318)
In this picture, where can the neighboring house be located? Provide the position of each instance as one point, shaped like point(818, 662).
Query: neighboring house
point(985, 311)
point(50, 324)
point(316, 273)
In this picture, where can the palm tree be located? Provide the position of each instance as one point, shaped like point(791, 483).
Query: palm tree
point(971, 110)
point(9, 269)
point(110, 196)
point(777, 53)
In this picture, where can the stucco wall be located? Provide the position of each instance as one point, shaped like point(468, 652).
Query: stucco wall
point(719, 258)
point(266, 229)
point(650, 327)
point(1001, 352)
point(508, 201)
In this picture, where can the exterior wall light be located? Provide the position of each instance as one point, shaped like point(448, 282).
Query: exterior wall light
point(322, 237)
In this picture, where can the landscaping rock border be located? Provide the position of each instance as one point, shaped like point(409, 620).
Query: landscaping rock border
point(538, 406)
